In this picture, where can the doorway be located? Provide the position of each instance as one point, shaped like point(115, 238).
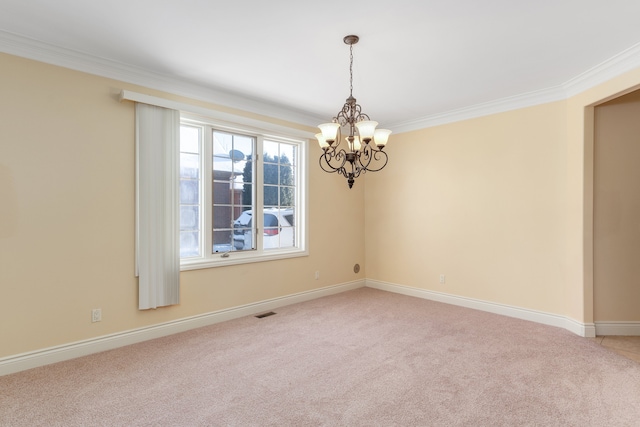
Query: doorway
point(616, 216)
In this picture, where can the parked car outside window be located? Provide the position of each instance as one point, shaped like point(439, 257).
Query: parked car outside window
point(278, 229)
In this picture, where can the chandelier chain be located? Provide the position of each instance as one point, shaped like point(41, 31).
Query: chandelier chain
point(351, 70)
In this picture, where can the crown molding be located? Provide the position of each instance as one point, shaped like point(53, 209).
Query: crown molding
point(25, 47)
point(44, 52)
point(492, 107)
point(619, 64)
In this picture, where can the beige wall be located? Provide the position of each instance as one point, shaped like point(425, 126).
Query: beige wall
point(502, 205)
point(480, 201)
point(67, 218)
point(617, 210)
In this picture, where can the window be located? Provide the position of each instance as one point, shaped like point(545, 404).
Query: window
point(242, 195)
point(190, 205)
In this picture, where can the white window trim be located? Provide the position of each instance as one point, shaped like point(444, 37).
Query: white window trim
point(236, 123)
point(208, 260)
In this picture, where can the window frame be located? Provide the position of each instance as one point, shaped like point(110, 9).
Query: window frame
point(207, 259)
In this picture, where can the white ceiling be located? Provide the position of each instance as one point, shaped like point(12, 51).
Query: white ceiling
point(418, 61)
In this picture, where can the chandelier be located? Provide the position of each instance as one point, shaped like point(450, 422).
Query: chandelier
point(364, 144)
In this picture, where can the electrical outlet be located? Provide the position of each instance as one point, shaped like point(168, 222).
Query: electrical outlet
point(96, 315)
point(442, 279)
point(317, 275)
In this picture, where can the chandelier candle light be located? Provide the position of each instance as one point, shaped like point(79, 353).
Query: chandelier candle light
point(364, 145)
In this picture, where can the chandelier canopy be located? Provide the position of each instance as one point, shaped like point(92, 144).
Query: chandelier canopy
point(364, 144)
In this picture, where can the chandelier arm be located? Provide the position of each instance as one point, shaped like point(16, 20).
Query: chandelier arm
point(331, 169)
point(365, 158)
point(342, 118)
point(338, 158)
point(340, 170)
point(372, 158)
point(361, 116)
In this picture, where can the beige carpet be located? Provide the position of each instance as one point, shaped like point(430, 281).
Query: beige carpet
point(361, 358)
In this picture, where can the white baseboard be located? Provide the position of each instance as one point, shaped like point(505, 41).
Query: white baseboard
point(21, 362)
point(581, 329)
point(618, 328)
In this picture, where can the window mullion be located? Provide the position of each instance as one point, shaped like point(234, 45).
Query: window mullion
point(207, 193)
point(259, 193)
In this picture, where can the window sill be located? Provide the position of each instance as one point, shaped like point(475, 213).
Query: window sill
point(239, 258)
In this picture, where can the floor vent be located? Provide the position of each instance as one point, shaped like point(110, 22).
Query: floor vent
point(260, 316)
